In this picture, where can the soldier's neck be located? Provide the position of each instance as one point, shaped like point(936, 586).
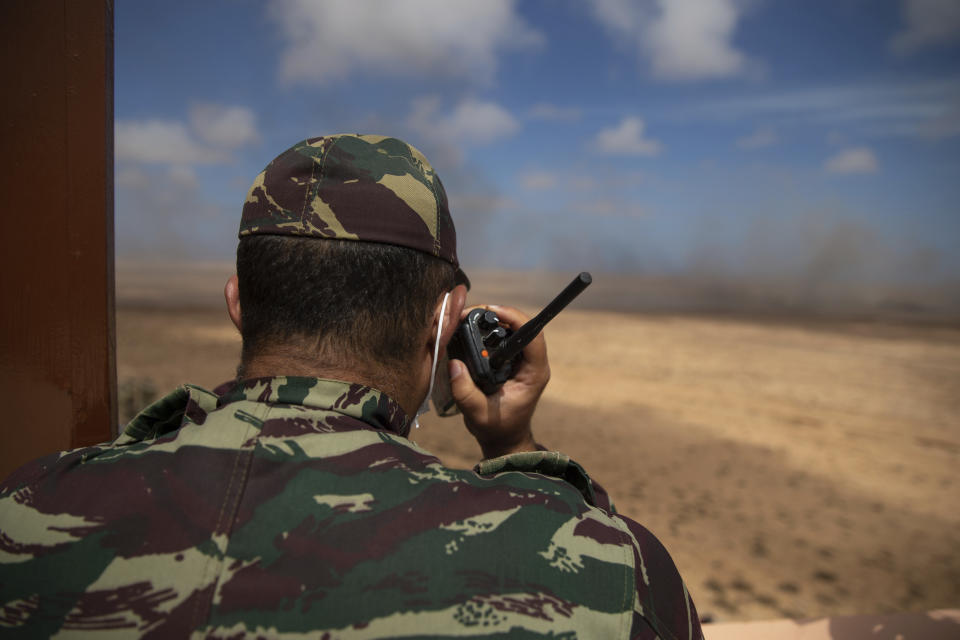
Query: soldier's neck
point(287, 363)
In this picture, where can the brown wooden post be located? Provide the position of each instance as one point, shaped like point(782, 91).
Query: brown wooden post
point(57, 343)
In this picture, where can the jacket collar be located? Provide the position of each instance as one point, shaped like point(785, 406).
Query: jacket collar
point(350, 399)
point(191, 404)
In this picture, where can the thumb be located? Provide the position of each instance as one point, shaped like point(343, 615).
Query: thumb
point(467, 395)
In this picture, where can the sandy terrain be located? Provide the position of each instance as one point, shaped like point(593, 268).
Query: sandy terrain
point(793, 468)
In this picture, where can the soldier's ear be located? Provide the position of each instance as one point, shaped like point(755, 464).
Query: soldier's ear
point(451, 318)
point(231, 293)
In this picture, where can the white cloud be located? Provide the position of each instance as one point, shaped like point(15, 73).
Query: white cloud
point(183, 176)
point(582, 183)
point(852, 160)
point(929, 23)
point(944, 125)
point(480, 122)
point(836, 138)
point(329, 40)
point(547, 111)
point(833, 103)
point(224, 126)
point(627, 139)
point(538, 180)
point(131, 177)
point(162, 142)
point(163, 212)
point(470, 122)
point(214, 131)
point(682, 39)
point(908, 108)
point(761, 137)
point(610, 207)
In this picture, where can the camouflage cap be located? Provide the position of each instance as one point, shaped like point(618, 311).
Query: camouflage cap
point(354, 187)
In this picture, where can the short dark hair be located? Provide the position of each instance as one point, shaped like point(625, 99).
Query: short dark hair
point(344, 299)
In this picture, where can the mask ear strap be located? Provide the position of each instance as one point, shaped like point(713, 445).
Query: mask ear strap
point(436, 345)
point(425, 407)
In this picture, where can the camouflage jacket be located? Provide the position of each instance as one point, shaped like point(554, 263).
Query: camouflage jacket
point(294, 506)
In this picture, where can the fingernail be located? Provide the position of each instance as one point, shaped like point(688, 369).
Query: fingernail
point(456, 369)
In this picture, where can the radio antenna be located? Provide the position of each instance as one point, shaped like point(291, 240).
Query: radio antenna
point(525, 334)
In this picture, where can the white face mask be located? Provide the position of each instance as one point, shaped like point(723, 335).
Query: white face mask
point(425, 407)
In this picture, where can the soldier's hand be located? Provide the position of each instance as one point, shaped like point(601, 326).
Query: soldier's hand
point(501, 422)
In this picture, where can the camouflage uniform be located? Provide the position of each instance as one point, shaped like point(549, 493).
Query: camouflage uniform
point(297, 505)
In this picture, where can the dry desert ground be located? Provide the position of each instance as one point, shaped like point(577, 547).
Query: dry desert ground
point(793, 466)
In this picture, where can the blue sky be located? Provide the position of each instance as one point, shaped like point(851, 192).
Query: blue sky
point(790, 139)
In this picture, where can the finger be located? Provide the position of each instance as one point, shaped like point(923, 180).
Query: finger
point(467, 310)
point(535, 353)
point(466, 394)
point(510, 316)
point(514, 312)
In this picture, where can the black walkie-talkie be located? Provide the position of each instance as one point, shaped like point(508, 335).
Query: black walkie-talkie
point(491, 351)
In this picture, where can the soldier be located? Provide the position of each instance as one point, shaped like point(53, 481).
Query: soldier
point(291, 502)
